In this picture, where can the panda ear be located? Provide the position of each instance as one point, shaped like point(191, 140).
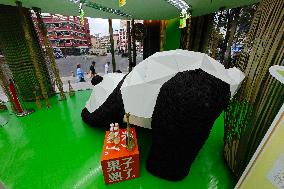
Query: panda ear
point(96, 80)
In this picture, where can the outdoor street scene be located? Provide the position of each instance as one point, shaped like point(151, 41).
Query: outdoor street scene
point(68, 64)
point(84, 43)
point(67, 69)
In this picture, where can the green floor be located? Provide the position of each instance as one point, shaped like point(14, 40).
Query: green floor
point(53, 148)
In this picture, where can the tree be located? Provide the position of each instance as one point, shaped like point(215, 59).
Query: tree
point(230, 33)
point(215, 42)
point(129, 46)
point(111, 45)
point(230, 29)
point(228, 17)
point(133, 43)
point(195, 37)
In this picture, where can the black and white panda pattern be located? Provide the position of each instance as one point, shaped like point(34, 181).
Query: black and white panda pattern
point(188, 91)
point(185, 110)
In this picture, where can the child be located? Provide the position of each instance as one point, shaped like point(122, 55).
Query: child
point(80, 73)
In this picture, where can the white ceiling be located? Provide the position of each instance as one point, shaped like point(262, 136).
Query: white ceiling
point(139, 9)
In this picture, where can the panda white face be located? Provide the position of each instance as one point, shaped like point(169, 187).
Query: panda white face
point(102, 90)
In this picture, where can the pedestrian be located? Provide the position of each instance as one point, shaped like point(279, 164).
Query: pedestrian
point(107, 67)
point(92, 69)
point(80, 73)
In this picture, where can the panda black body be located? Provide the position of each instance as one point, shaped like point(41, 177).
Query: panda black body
point(185, 111)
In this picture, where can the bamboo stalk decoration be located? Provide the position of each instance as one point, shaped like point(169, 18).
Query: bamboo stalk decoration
point(32, 52)
point(50, 54)
point(2, 105)
point(37, 97)
point(14, 46)
point(253, 109)
point(163, 30)
point(130, 143)
point(71, 90)
point(213, 42)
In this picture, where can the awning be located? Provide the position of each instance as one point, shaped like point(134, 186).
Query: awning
point(137, 9)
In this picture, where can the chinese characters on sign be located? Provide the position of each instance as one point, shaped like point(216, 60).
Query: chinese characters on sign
point(118, 163)
point(119, 169)
point(276, 174)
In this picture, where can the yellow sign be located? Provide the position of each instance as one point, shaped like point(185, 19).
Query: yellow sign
point(121, 2)
point(266, 168)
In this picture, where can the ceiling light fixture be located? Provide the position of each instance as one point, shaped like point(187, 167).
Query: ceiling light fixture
point(179, 4)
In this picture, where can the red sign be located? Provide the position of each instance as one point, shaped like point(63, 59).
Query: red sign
point(119, 164)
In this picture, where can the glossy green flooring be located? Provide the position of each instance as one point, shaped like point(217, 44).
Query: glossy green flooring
point(53, 148)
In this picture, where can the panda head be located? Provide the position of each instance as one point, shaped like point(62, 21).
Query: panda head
point(105, 104)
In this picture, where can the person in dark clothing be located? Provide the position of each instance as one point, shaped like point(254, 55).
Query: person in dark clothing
point(92, 69)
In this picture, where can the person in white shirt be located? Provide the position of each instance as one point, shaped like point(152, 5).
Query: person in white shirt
point(107, 67)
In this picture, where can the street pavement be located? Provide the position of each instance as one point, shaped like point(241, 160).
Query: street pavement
point(68, 65)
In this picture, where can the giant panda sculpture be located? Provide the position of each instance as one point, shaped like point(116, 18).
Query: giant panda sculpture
point(186, 108)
